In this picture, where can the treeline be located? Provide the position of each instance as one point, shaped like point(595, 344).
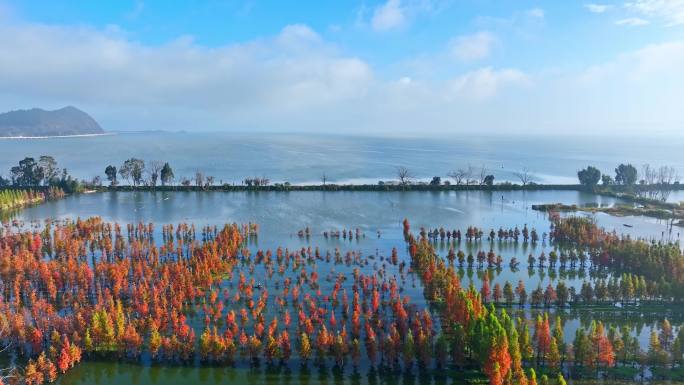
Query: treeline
point(138, 173)
point(627, 290)
point(475, 234)
point(651, 183)
point(41, 174)
point(656, 261)
point(286, 186)
point(11, 198)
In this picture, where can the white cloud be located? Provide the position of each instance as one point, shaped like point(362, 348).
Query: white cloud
point(632, 21)
point(637, 92)
point(653, 63)
point(292, 71)
point(528, 24)
point(296, 80)
point(671, 11)
point(396, 14)
point(485, 83)
point(473, 47)
point(597, 8)
point(298, 36)
point(389, 15)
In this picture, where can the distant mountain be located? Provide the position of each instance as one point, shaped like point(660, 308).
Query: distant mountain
point(39, 122)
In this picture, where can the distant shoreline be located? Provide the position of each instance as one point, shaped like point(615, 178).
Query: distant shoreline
point(58, 136)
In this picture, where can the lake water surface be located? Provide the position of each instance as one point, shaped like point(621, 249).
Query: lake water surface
point(303, 159)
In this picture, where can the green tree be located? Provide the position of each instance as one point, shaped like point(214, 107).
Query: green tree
point(554, 357)
point(582, 348)
point(525, 341)
point(48, 167)
point(625, 174)
point(110, 171)
point(656, 356)
point(544, 380)
point(166, 174)
point(132, 170)
point(408, 350)
point(508, 294)
point(27, 173)
point(153, 170)
point(589, 177)
point(626, 343)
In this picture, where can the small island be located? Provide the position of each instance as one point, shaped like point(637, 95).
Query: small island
point(39, 123)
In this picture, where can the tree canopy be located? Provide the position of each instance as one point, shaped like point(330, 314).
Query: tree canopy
point(625, 174)
point(589, 176)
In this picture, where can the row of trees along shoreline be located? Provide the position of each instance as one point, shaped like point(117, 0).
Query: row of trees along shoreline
point(651, 183)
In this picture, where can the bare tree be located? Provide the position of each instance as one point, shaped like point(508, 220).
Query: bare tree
point(324, 179)
point(256, 181)
point(483, 175)
point(459, 176)
point(648, 174)
point(469, 174)
point(132, 170)
point(648, 178)
point(405, 176)
point(525, 176)
point(96, 181)
point(199, 178)
point(208, 181)
point(153, 170)
point(667, 176)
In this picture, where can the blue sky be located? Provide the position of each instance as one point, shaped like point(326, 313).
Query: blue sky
point(361, 66)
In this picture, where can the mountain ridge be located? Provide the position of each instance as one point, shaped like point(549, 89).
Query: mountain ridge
point(37, 122)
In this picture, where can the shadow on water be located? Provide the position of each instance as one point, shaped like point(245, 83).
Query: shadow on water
point(110, 373)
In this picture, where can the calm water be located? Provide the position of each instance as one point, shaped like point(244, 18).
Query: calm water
point(107, 373)
point(305, 158)
point(281, 214)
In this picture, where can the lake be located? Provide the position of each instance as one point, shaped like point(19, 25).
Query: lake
point(281, 214)
point(303, 159)
point(378, 216)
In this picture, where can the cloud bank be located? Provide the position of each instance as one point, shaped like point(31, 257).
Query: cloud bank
point(298, 81)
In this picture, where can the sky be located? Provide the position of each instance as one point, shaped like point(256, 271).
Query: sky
point(388, 67)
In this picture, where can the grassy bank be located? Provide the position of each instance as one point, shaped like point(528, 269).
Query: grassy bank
point(662, 210)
